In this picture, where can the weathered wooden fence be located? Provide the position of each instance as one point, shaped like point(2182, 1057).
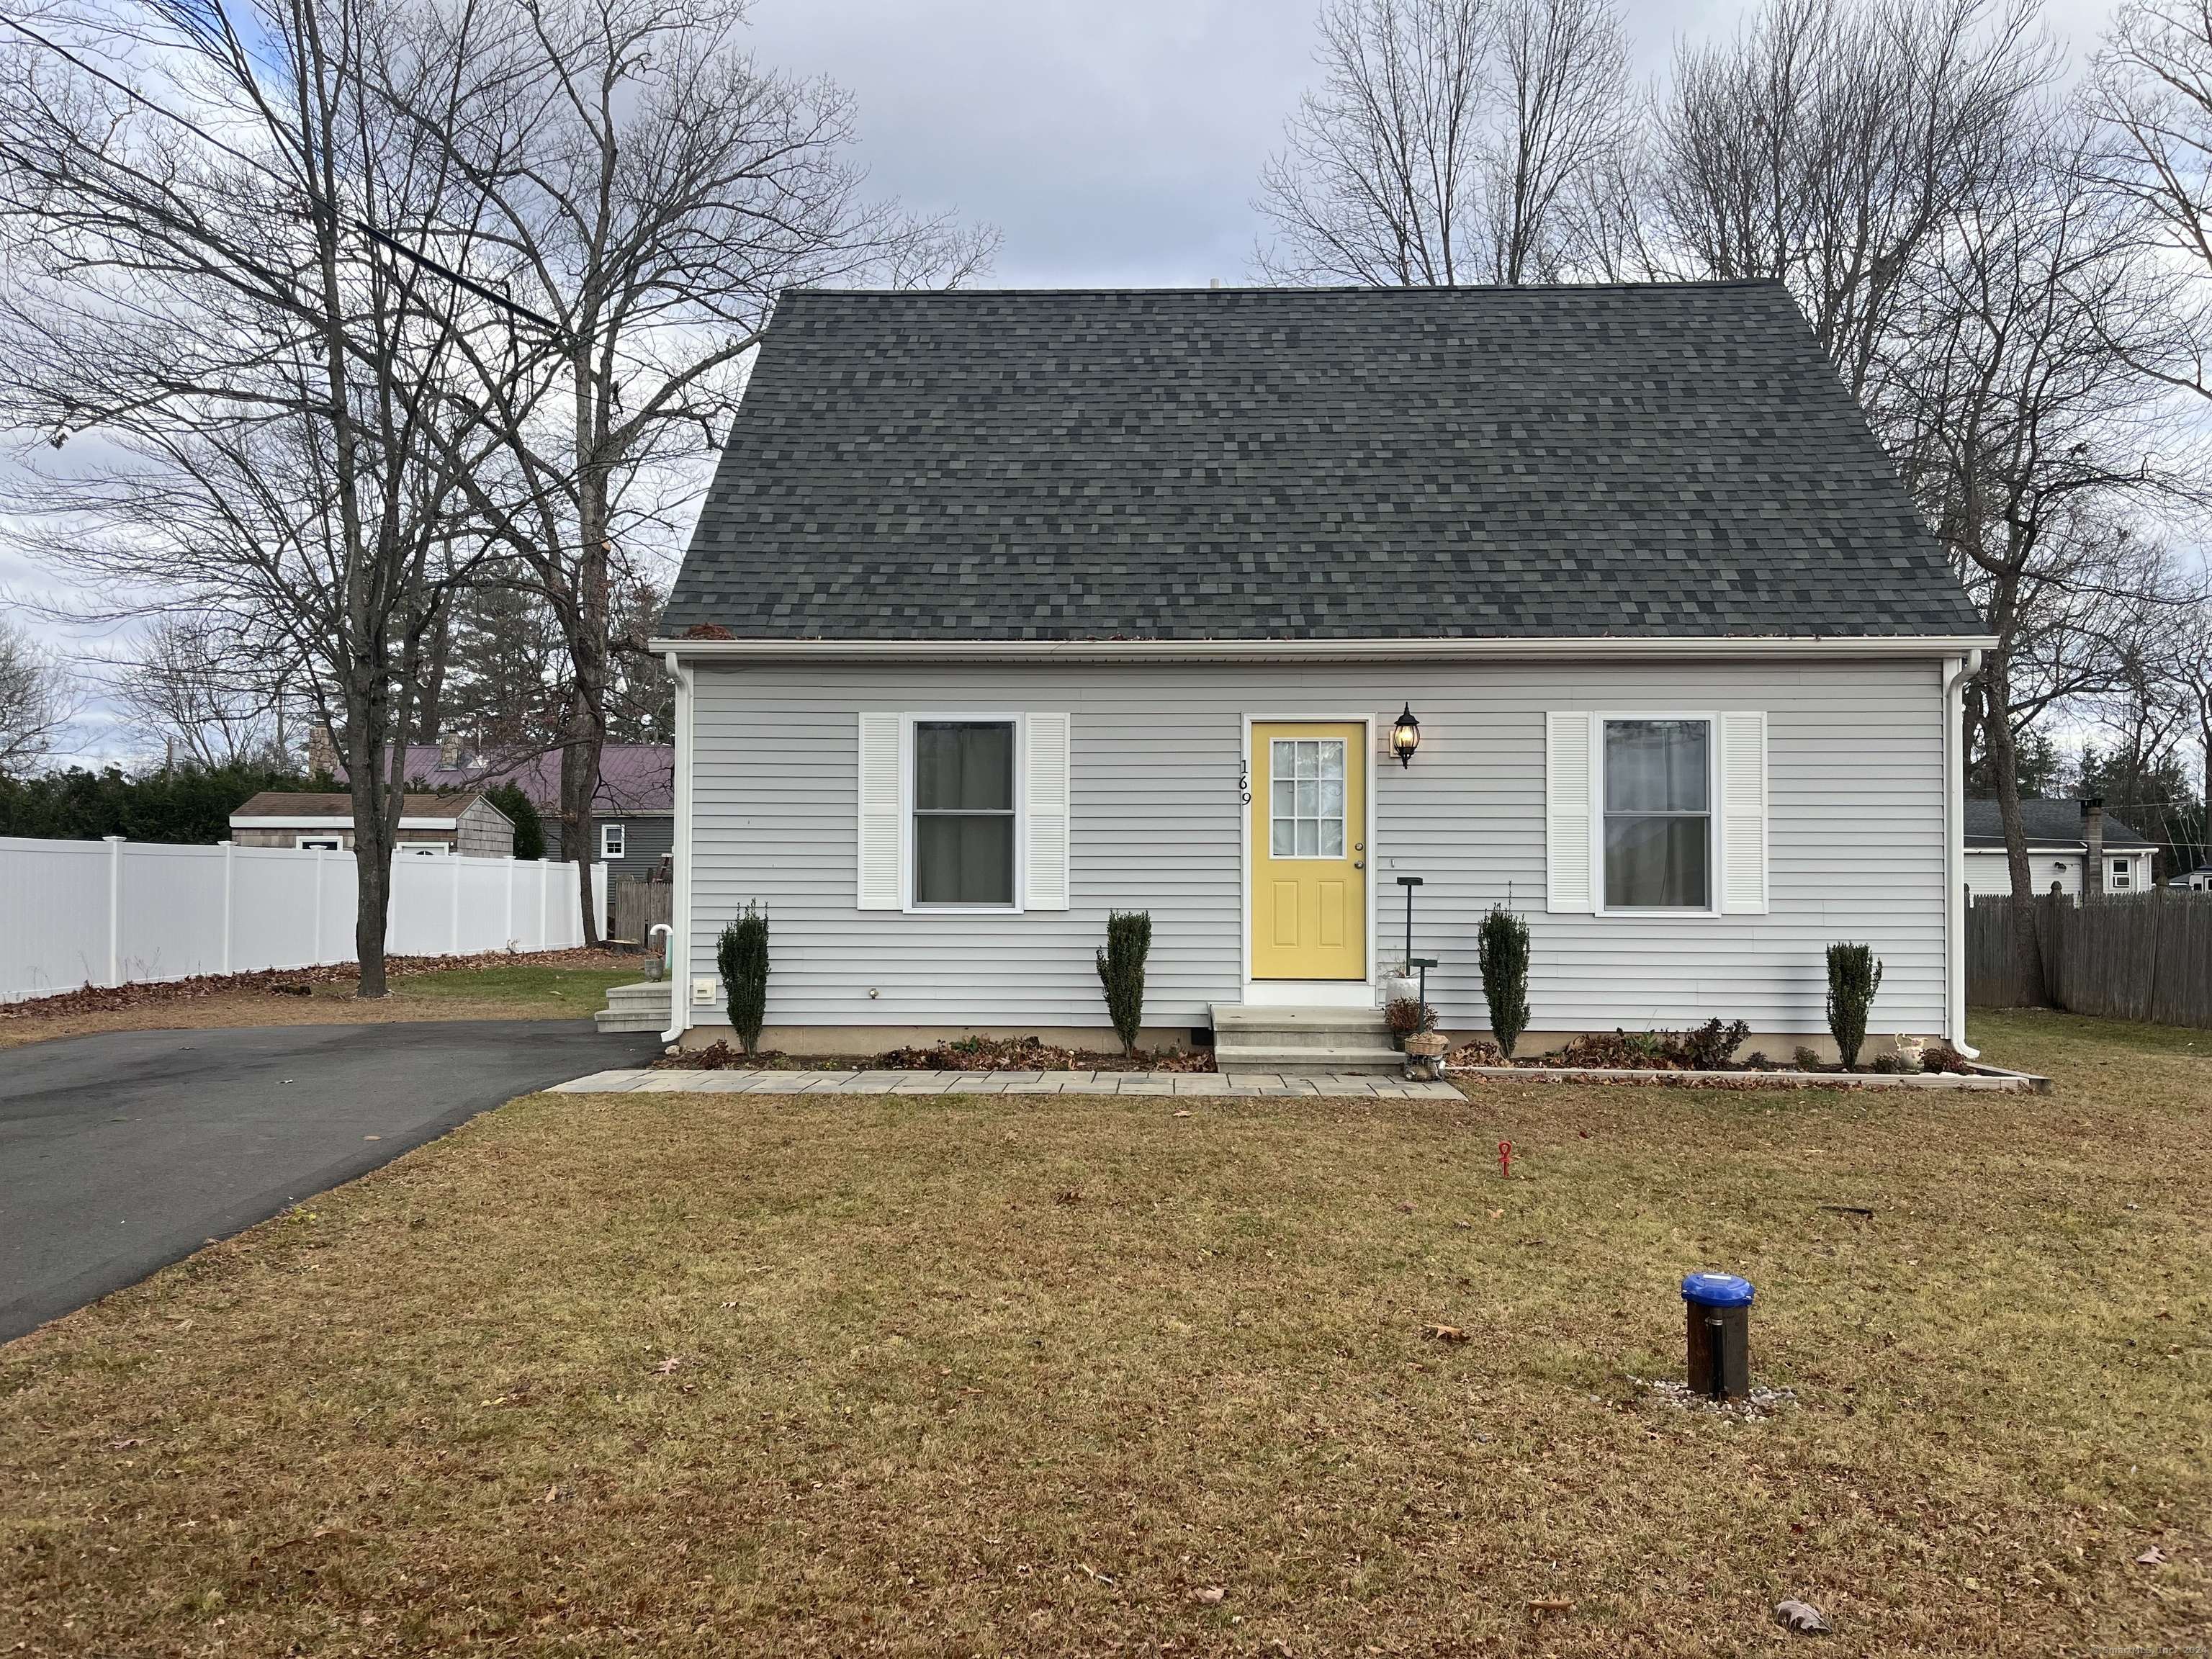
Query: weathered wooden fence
point(2127, 955)
point(634, 904)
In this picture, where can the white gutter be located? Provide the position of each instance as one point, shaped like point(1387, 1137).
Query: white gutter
point(676, 958)
point(1954, 853)
point(1368, 650)
point(344, 822)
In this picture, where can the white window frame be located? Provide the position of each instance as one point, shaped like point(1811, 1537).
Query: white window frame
point(319, 843)
point(908, 756)
point(421, 849)
point(621, 833)
point(2124, 873)
point(1712, 720)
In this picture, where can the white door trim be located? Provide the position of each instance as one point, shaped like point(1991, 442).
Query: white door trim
point(1304, 993)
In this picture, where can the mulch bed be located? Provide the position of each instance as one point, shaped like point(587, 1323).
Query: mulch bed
point(1710, 1048)
point(290, 981)
point(975, 1053)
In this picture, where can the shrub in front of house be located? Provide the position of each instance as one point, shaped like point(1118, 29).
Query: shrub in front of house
point(1854, 975)
point(1502, 947)
point(1122, 972)
point(742, 954)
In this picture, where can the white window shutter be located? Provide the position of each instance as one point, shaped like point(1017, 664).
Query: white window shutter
point(1570, 743)
point(1044, 812)
point(880, 795)
point(1742, 779)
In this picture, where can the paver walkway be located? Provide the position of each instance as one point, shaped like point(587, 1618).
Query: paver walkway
point(1232, 1085)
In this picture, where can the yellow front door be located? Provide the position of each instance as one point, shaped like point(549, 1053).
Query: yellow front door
point(1309, 851)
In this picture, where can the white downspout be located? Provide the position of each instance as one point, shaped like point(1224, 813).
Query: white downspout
point(1955, 845)
point(677, 959)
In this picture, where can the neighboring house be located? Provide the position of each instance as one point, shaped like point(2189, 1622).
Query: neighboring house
point(1006, 611)
point(430, 826)
point(632, 826)
point(2058, 849)
point(2199, 880)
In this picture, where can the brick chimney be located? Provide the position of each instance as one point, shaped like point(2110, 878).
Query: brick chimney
point(2092, 832)
point(322, 752)
point(449, 752)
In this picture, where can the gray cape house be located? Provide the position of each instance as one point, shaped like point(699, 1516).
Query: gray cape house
point(1007, 609)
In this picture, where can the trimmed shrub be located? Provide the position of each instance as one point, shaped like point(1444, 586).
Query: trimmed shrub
point(1122, 972)
point(1502, 949)
point(1854, 975)
point(529, 828)
point(742, 954)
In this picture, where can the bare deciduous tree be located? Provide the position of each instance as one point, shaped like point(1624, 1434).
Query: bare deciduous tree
point(1830, 142)
point(1447, 144)
point(636, 178)
point(37, 698)
point(2022, 429)
point(189, 685)
point(218, 308)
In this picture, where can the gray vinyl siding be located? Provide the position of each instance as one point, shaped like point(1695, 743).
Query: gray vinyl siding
point(648, 836)
point(1856, 837)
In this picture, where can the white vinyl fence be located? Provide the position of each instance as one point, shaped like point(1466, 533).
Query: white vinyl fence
point(114, 912)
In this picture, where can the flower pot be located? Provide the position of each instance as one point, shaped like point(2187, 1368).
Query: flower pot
point(652, 970)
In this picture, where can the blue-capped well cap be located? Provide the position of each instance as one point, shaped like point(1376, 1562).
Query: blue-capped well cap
point(1717, 1291)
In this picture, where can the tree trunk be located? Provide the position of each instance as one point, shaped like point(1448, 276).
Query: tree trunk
point(2004, 763)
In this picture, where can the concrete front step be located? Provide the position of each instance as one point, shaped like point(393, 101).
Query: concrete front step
point(642, 1007)
point(1303, 1041)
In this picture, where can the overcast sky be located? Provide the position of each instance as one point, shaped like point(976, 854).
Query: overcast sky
point(1114, 143)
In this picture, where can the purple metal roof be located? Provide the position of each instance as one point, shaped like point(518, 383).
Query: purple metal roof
point(634, 777)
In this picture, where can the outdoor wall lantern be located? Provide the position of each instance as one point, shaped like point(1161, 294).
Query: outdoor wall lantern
point(1406, 736)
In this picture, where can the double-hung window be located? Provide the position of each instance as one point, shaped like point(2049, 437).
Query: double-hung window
point(964, 813)
point(1658, 815)
point(613, 838)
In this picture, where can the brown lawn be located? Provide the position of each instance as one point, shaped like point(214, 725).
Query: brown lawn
point(553, 984)
point(1035, 1375)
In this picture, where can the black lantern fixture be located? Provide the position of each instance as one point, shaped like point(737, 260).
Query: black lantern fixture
point(1406, 736)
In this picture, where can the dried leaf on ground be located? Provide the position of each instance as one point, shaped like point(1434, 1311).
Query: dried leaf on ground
point(1447, 1332)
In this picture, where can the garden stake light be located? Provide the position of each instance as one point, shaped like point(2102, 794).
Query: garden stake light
point(1505, 1159)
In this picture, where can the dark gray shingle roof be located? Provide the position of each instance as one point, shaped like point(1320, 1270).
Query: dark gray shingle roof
point(1342, 463)
point(2049, 823)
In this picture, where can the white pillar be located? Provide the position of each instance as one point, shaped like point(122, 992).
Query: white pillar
point(543, 877)
point(230, 893)
point(507, 941)
point(453, 919)
point(316, 945)
point(114, 909)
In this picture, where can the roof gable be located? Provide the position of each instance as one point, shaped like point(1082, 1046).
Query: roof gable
point(1663, 460)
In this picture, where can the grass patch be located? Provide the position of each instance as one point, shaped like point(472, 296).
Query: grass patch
point(1021, 1375)
point(582, 989)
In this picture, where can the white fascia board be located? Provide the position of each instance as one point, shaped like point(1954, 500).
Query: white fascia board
point(1705, 647)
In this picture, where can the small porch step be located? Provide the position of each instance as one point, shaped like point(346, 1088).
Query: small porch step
point(1304, 1041)
point(640, 1007)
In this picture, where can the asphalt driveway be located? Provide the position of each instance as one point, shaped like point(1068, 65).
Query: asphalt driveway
point(124, 1152)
